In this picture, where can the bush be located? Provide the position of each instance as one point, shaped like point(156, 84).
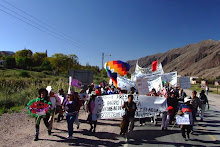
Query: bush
point(39, 69)
point(47, 72)
point(40, 75)
point(24, 74)
point(10, 62)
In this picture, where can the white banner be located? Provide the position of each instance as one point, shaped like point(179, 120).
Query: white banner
point(125, 83)
point(185, 82)
point(155, 82)
point(148, 70)
point(170, 77)
point(183, 120)
point(142, 85)
point(109, 106)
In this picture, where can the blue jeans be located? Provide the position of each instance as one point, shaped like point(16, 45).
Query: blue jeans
point(70, 120)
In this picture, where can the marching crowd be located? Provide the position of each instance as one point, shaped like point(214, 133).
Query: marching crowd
point(178, 103)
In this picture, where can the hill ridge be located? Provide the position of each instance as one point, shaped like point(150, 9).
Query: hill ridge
point(200, 59)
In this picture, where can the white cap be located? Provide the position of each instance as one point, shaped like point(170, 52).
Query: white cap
point(93, 93)
point(186, 99)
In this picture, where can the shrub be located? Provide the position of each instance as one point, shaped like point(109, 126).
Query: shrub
point(24, 74)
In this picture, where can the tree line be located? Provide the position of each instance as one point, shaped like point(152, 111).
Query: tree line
point(38, 61)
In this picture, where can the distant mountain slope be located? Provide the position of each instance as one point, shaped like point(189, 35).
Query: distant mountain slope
point(200, 59)
point(6, 53)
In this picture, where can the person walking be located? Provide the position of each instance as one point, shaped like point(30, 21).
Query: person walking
point(204, 100)
point(195, 103)
point(187, 109)
point(83, 97)
point(43, 95)
point(207, 89)
point(130, 108)
point(76, 98)
point(71, 107)
point(166, 114)
point(59, 109)
point(92, 110)
point(172, 101)
point(182, 95)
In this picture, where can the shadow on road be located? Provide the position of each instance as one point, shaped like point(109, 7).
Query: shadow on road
point(77, 141)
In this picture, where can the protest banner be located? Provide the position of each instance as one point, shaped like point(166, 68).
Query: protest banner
point(155, 82)
point(185, 82)
point(125, 83)
point(140, 70)
point(109, 106)
point(142, 85)
point(170, 77)
point(183, 120)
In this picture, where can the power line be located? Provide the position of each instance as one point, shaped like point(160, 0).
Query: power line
point(63, 35)
point(37, 26)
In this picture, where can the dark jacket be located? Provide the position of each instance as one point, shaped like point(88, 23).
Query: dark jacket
point(130, 106)
point(203, 98)
point(172, 102)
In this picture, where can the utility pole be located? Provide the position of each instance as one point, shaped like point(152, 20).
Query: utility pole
point(102, 66)
point(102, 60)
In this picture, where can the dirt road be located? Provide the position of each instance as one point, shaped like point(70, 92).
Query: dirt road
point(18, 130)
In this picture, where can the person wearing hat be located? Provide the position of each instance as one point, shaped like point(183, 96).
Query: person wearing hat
point(186, 108)
point(98, 90)
point(112, 90)
point(92, 110)
point(43, 94)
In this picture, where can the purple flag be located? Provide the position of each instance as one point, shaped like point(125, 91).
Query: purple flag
point(76, 83)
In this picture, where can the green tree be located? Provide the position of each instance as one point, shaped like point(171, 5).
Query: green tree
point(10, 62)
point(24, 62)
point(24, 59)
point(38, 58)
point(46, 65)
point(63, 63)
point(23, 53)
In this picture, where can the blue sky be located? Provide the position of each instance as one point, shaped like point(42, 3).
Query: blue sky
point(126, 29)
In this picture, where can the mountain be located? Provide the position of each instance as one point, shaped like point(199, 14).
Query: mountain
point(199, 59)
point(6, 53)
